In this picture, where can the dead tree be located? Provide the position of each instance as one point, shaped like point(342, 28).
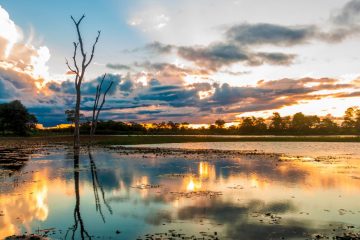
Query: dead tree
point(80, 64)
point(97, 109)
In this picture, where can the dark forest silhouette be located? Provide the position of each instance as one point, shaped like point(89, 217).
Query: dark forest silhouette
point(298, 124)
point(16, 120)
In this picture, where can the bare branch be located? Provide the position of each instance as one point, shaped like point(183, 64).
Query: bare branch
point(93, 49)
point(77, 25)
point(99, 87)
point(96, 108)
point(103, 100)
point(74, 56)
point(108, 89)
point(79, 21)
point(68, 65)
point(95, 105)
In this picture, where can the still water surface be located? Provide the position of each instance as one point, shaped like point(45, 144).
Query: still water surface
point(114, 194)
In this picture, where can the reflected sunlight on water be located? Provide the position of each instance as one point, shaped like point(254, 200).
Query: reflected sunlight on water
point(26, 204)
point(238, 196)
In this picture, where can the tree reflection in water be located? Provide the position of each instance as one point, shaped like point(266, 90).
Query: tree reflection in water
point(78, 221)
point(96, 187)
point(77, 212)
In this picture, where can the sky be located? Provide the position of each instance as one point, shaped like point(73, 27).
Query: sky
point(193, 61)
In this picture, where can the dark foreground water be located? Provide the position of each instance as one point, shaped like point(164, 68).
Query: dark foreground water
point(311, 192)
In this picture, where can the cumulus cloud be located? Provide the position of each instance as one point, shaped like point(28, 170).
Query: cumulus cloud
point(23, 67)
point(8, 30)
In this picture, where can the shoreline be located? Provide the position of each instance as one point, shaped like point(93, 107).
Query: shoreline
point(107, 140)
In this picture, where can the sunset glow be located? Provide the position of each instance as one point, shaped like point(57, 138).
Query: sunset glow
point(228, 68)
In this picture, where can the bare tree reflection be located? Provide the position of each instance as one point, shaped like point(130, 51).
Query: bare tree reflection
point(96, 187)
point(78, 222)
point(98, 193)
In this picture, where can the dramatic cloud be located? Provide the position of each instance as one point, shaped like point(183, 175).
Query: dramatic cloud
point(240, 41)
point(343, 24)
point(216, 56)
point(263, 33)
point(8, 30)
point(6, 90)
point(271, 94)
point(349, 14)
point(193, 81)
point(163, 72)
point(23, 68)
point(89, 87)
point(131, 100)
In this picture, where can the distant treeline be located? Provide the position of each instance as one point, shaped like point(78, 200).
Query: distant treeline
point(298, 124)
point(15, 119)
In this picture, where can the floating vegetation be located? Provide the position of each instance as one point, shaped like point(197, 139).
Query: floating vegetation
point(27, 237)
point(146, 186)
point(180, 151)
point(14, 158)
point(193, 194)
point(348, 236)
point(296, 158)
point(177, 175)
point(178, 235)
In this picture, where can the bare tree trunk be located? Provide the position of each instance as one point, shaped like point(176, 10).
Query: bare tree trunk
point(96, 108)
point(77, 120)
point(79, 69)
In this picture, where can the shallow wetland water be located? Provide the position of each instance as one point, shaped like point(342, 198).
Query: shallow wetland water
point(243, 190)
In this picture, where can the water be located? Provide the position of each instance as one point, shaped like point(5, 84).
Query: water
point(295, 148)
point(115, 194)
